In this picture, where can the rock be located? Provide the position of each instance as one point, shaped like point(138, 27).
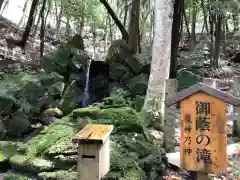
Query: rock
point(186, 79)
point(52, 135)
point(119, 72)
point(138, 84)
point(53, 112)
point(3, 130)
point(70, 97)
point(92, 112)
point(137, 62)
point(236, 58)
point(236, 128)
point(77, 41)
point(7, 105)
point(17, 124)
point(32, 165)
point(118, 51)
point(157, 137)
point(139, 102)
point(58, 175)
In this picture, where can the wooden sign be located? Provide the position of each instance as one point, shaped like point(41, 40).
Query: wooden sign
point(93, 151)
point(203, 141)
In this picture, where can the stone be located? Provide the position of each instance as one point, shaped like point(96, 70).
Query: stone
point(186, 79)
point(119, 72)
point(3, 130)
point(137, 62)
point(91, 112)
point(53, 112)
point(17, 124)
point(77, 41)
point(32, 165)
point(58, 175)
point(70, 98)
point(138, 84)
point(157, 137)
point(139, 102)
point(118, 51)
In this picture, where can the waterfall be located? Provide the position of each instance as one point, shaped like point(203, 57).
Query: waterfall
point(86, 93)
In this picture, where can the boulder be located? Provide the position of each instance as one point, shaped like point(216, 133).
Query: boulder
point(119, 72)
point(77, 41)
point(138, 84)
point(3, 130)
point(70, 98)
point(186, 79)
point(118, 51)
point(17, 124)
point(137, 62)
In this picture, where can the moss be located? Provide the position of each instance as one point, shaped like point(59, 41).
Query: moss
point(63, 146)
point(15, 176)
point(34, 165)
point(10, 148)
point(120, 116)
point(114, 102)
point(134, 174)
point(53, 112)
point(49, 137)
point(58, 175)
point(91, 112)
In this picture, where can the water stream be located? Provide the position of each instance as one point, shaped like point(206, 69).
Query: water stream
point(86, 89)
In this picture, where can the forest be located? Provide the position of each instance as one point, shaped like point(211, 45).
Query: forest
point(68, 63)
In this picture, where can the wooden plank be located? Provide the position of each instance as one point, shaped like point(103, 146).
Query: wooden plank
point(228, 98)
point(197, 144)
point(93, 134)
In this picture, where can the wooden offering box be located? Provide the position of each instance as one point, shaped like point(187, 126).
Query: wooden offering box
point(93, 151)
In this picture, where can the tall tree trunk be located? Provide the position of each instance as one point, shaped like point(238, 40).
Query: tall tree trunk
point(186, 22)
point(116, 20)
point(58, 19)
point(154, 101)
point(37, 25)
point(218, 26)
point(1, 3)
point(23, 11)
point(134, 32)
point(236, 23)
point(194, 16)
point(205, 16)
point(176, 25)
point(125, 13)
point(28, 27)
point(42, 28)
point(6, 3)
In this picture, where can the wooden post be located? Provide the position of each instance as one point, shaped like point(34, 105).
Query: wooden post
point(203, 144)
point(93, 151)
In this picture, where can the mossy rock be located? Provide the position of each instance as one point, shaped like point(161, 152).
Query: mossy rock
point(10, 148)
point(50, 136)
point(91, 112)
point(53, 112)
point(139, 102)
point(58, 175)
point(120, 116)
point(186, 79)
point(114, 102)
point(48, 79)
point(16, 176)
point(32, 164)
point(63, 146)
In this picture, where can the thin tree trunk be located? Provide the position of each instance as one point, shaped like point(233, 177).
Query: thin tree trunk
point(125, 13)
point(37, 25)
point(28, 27)
point(58, 19)
point(116, 20)
point(23, 11)
point(194, 15)
point(42, 28)
point(1, 3)
point(134, 32)
point(217, 40)
point(176, 25)
point(204, 16)
point(186, 22)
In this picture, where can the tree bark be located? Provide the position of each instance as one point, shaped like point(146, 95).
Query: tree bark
point(186, 22)
point(134, 32)
point(125, 13)
point(176, 25)
point(160, 65)
point(194, 15)
point(217, 40)
point(204, 16)
point(116, 20)
point(42, 28)
point(1, 3)
point(28, 27)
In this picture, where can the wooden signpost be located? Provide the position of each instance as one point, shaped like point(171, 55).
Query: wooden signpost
point(93, 151)
point(203, 144)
